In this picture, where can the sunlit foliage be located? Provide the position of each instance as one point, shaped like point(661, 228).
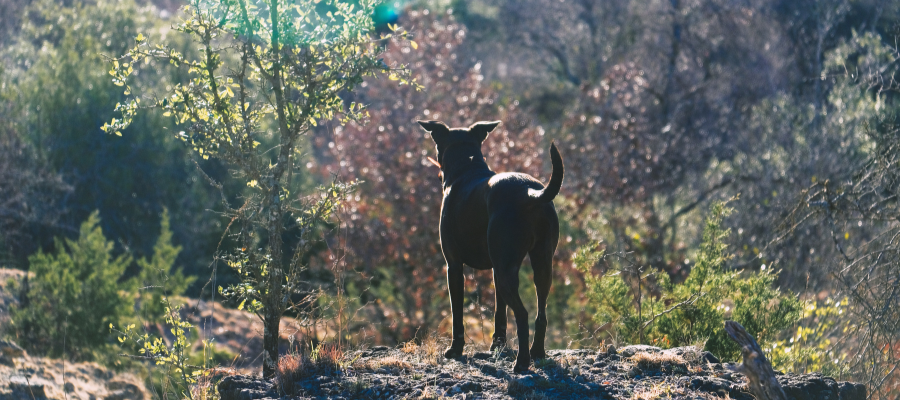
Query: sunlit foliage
point(261, 77)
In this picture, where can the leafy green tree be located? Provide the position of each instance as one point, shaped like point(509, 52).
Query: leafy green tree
point(74, 296)
point(262, 76)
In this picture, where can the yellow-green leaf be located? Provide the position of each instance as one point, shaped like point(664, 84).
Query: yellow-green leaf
point(414, 44)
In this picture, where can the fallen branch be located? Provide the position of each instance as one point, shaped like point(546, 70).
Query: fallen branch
point(763, 384)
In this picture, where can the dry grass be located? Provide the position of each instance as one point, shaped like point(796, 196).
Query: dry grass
point(389, 362)
point(655, 392)
point(653, 361)
point(668, 391)
point(205, 388)
point(409, 347)
point(660, 391)
point(430, 393)
point(324, 358)
point(430, 350)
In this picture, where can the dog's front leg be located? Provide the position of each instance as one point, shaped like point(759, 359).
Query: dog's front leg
point(456, 284)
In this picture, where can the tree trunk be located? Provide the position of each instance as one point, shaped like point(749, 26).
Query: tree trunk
point(271, 326)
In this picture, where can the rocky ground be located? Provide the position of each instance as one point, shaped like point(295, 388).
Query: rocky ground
point(25, 377)
point(633, 372)
point(413, 371)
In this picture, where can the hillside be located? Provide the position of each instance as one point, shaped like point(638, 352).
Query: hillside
point(233, 332)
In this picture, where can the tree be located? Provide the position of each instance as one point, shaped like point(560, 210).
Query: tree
point(264, 74)
point(74, 296)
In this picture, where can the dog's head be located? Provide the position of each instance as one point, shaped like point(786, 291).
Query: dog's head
point(445, 137)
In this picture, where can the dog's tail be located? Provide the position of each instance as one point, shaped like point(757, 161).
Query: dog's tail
point(552, 189)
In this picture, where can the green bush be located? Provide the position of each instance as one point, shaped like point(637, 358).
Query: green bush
point(645, 306)
point(158, 278)
point(74, 296)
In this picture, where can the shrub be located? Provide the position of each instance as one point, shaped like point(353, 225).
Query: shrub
point(645, 306)
point(181, 373)
point(158, 277)
point(73, 297)
point(816, 344)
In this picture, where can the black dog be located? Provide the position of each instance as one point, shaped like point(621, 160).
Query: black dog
point(491, 220)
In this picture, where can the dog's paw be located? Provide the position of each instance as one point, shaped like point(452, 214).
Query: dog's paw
point(538, 354)
point(521, 366)
point(453, 352)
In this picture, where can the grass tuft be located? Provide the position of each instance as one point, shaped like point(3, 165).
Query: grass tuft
point(655, 361)
point(322, 359)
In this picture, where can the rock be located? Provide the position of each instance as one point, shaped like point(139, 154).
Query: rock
point(243, 387)
point(815, 386)
point(466, 387)
point(69, 387)
point(525, 381)
point(611, 349)
point(21, 387)
point(719, 387)
point(488, 369)
point(11, 350)
point(633, 372)
point(709, 357)
point(629, 351)
point(123, 394)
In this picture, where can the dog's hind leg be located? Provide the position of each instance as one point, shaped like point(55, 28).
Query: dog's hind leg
point(505, 245)
point(508, 287)
point(542, 263)
point(499, 338)
point(456, 283)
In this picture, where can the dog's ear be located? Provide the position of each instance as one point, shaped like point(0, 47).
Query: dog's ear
point(438, 129)
point(480, 130)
